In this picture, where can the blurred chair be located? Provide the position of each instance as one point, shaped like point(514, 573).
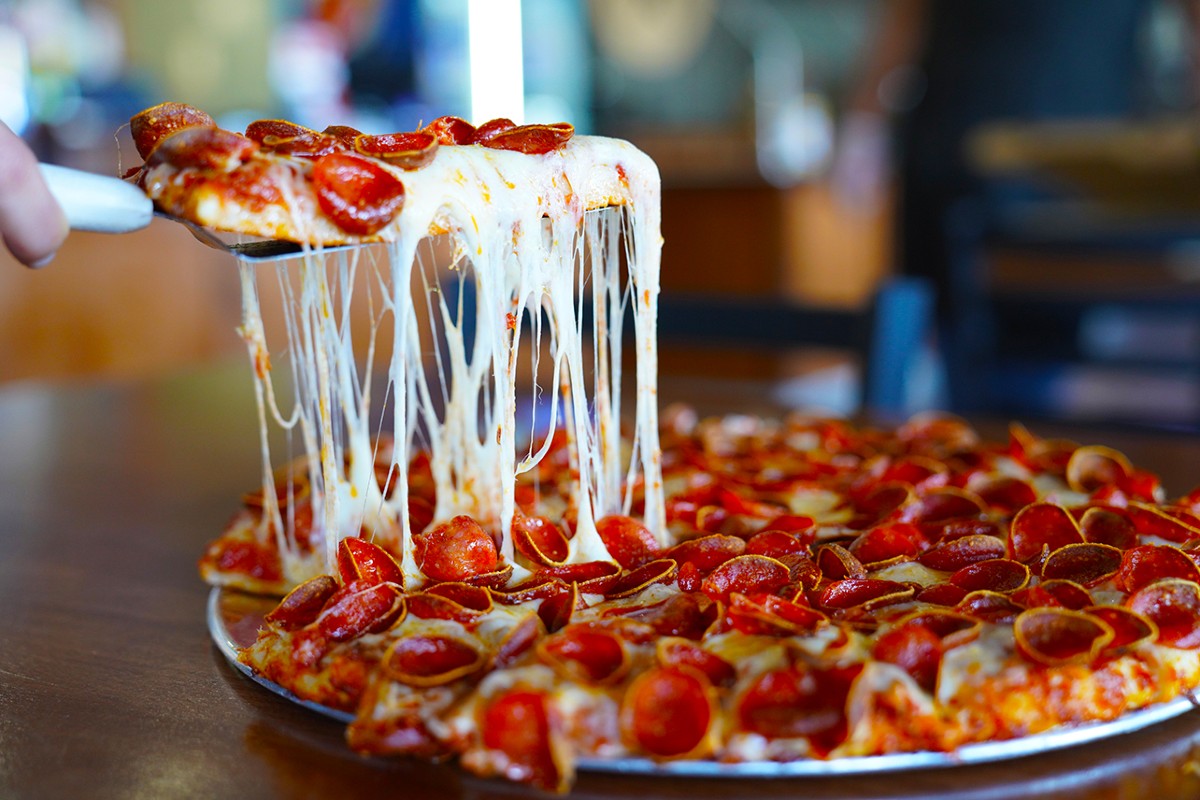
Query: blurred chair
point(885, 338)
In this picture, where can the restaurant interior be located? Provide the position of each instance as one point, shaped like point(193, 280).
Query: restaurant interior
point(1062, 274)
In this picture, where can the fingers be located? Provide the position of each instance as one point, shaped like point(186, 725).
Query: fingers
point(32, 224)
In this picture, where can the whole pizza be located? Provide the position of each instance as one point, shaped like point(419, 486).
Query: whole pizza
point(509, 566)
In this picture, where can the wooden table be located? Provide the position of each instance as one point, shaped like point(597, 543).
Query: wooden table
point(110, 687)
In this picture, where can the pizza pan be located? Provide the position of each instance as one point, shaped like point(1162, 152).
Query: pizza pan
point(234, 619)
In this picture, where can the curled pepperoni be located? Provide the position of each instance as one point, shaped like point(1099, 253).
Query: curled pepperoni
point(799, 701)
point(1147, 563)
point(358, 194)
point(302, 604)
point(668, 712)
point(673, 652)
point(344, 134)
point(708, 552)
point(885, 543)
point(1093, 467)
point(1084, 563)
point(995, 574)
point(941, 505)
point(403, 150)
point(530, 139)
point(1103, 526)
point(836, 563)
point(519, 725)
point(955, 554)
point(355, 609)
point(746, 575)
point(455, 550)
point(1056, 592)
point(775, 544)
point(156, 123)
point(1155, 521)
point(251, 558)
point(1040, 527)
point(262, 130)
point(359, 559)
point(1129, 628)
point(684, 615)
point(431, 660)
point(1058, 636)
point(1006, 494)
point(953, 628)
point(206, 148)
point(516, 642)
point(309, 145)
point(1173, 605)
point(585, 653)
point(556, 611)
point(540, 540)
point(769, 615)
point(578, 573)
point(628, 541)
point(942, 594)
point(491, 128)
point(451, 130)
point(630, 582)
point(988, 606)
point(865, 593)
point(916, 649)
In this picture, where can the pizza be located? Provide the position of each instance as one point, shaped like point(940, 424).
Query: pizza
point(502, 564)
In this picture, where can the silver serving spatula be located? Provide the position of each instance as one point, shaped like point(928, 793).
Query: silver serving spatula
point(110, 205)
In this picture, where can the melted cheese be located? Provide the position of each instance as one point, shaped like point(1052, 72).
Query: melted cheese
point(544, 271)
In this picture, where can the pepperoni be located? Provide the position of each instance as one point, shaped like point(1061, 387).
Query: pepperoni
point(745, 575)
point(1006, 494)
point(988, 606)
point(1094, 467)
point(1058, 636)
point(578, 573)
point(886, 543)
point(278, 129)
point(630, 582)
point(775, 544)
point(668, 712)
point(1085, 563)
point(942, 594)
point(881, 502)
point(156, 123)
point(556, 611)
point(689, 578)
point(310, 145)
point(672, 652)
point(799, 701)
point(1147, 563)
point(953, 628)
point(355, 609)
point(1173, 605)
point(205, 148)
point(455, 550)
point(518, 724)
point(1154, 521)
point(708, 552)
point(490, 128)
point(530, 139)
point(836, 563)
point(865, 593)
point(915, 649)
point(586, 653)
point(683, 615)
point(1103, 526)
point(770, 615)
point(941, 505)
point(359, 559)
point(497, 577)
point(431, 660)
point(540, 540)
point(516, 643)
point(628, 541)
point(994, 574)
point(344, 134)
point(1129, 628)
point(250, 558)
point(303, 604)
point(1040, 527)
point(404, 150)
point(451, 130)
point(793, 523)
point(358, 194)
point(955, 554)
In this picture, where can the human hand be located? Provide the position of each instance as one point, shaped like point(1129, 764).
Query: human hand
point(32, 224)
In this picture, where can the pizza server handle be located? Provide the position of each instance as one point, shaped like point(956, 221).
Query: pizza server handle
point(98, 202)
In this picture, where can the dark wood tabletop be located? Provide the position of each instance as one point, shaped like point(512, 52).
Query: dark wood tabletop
point(111, 688)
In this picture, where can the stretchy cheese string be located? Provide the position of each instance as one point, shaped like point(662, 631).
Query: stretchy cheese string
point(519, 236)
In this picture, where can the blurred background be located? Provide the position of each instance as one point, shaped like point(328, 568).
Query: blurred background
point(889, 205)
